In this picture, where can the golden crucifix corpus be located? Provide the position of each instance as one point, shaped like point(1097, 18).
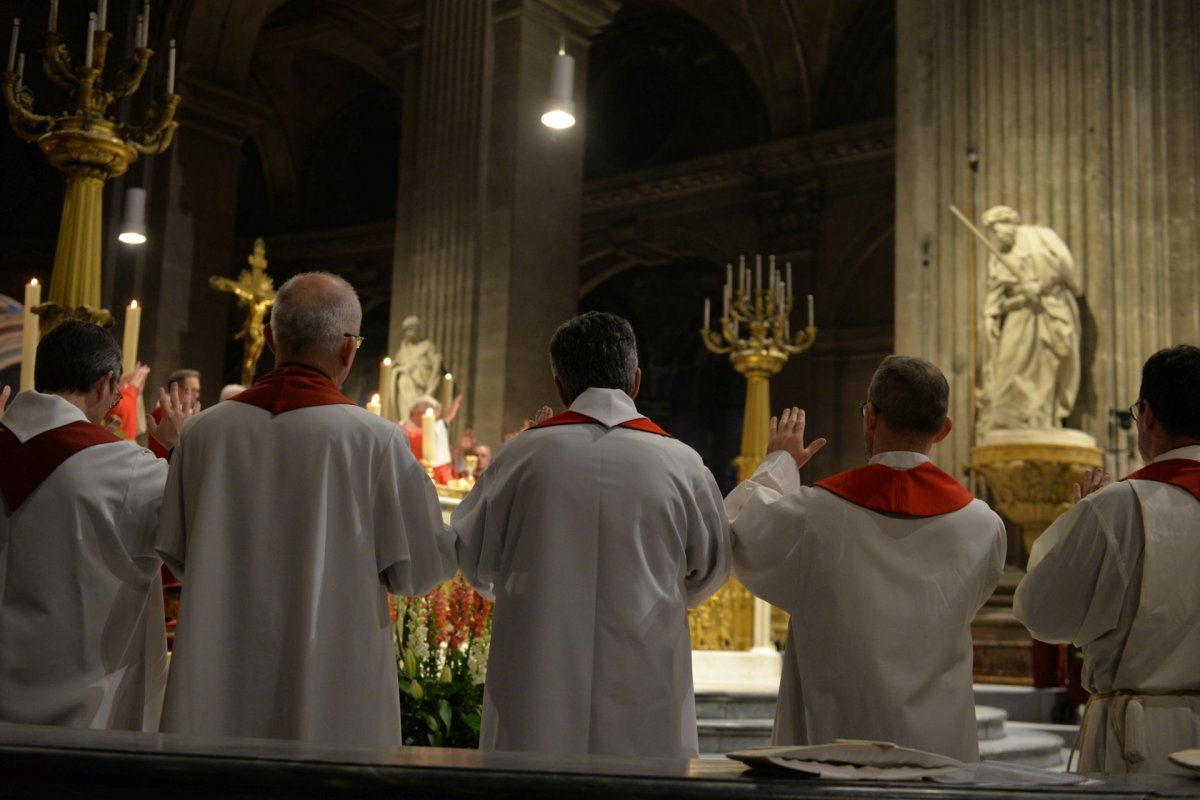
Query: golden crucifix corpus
point(255, 292)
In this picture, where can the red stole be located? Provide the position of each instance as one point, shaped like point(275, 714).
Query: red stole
point(575, 418)
point(923, 491)
point(443, 473)
point(1181, 472)
point(290, 387)
point(23, 466)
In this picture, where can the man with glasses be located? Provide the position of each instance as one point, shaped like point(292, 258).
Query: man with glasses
point(82, 640)
point(1117, 576)
point(290, 513)
point(882, 569)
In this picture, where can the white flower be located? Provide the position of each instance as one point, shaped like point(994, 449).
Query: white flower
point(477, 661)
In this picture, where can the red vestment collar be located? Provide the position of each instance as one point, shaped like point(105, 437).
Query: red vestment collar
point(575, 418)
point(290, 387)
point(923, 491)
point(1181, 472)
point(24, 465)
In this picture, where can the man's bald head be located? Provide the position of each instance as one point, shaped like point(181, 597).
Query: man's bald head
point(312, 314)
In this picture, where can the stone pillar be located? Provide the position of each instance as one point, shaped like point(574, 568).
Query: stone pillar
point(194, 201)
point(487, 233)
point(1083, 118)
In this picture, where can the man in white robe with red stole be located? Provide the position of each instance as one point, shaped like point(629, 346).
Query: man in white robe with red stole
point(882, 569)
point(1119, 576)
point(290, 513)
point(594, 532)
point(82, 639)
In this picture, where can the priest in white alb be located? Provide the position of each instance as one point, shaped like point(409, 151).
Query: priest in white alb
point(881, 568)
point(1116, 575)
point(290, 513)
point(82, 637)
point(594, 532)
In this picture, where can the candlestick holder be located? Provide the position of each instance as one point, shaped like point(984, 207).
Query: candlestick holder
point(90, 148)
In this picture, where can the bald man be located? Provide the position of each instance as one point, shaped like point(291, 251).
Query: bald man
point(290, 512)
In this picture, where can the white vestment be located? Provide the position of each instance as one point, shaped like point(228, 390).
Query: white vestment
point(593, 540)
point(879, 642)
point(82, 632)
point(1117, 576)
point(287, 532)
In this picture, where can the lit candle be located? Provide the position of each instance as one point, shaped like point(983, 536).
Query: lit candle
point(428, 437)
point(707, 322)
point(374, 406)
point(12, 44)
point(133, 326)
point(447, 391)
point(29, 334)
point(53, 26)
point(171, 67)
point(385, 384)
point(101, 14)
point(810, 311)
point(145, 23)
point(91, 34)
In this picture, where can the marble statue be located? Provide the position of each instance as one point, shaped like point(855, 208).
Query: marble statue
point(416, 370)
point(1031, 372)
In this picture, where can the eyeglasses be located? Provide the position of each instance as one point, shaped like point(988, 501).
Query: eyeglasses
point(1135, 410)
point(358, 340)
point(862, 409)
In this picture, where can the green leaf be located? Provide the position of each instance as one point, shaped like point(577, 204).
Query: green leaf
point(444, 712)
point(415, 690)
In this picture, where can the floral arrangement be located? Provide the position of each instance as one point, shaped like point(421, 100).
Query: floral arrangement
point(442, 644)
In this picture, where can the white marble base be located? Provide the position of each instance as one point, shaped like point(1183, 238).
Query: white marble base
point(1067, 437)
point(753, 671)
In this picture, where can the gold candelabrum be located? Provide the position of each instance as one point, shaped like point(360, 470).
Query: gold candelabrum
point(87, 145)
point(755, 331)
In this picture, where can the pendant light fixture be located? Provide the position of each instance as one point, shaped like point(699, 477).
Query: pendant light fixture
point(560, 113)
point(133, 225)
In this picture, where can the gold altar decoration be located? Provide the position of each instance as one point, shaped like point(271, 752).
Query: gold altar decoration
point(754, 330)
point(1031, 473)
point(255, 291)
point(89, 147)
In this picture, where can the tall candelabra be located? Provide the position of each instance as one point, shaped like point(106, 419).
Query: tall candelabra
point(755, 330)
point(87, 145)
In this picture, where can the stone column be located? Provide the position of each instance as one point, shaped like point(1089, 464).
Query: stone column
point(1082, 116)
point(487, 233)
point(194, 200)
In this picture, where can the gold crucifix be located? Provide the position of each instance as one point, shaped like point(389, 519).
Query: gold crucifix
point(255, 292)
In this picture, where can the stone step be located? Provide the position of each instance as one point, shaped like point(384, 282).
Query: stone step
point(1028, 748)
point(735, 705)
point(727, 735)
point(989, 722)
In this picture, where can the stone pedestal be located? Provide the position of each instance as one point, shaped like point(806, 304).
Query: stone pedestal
point(1031, 474)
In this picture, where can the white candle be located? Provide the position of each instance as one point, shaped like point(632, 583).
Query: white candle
point(374, 406)
point(428, 437)
point(729, 274)
point(133, 324)
point(53, 26)
point(171, 67)
point(789, 279)
point(758, 273)
point(29, 334)
point(728, 290)
point(707, 322)
point(742, 274)
point(12, 44)
point(810, 311)
point(779, 301)
point(91, 34)
point(137, 37)
point(101, 14)
point(385, 383)
point(771, 269)
point(145, 23)
point(20, 69)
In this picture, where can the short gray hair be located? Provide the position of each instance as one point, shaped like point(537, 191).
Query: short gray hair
point(911, 394)
point(423, 402)
point(315, 318)
point(594, 350)
point(179, 375)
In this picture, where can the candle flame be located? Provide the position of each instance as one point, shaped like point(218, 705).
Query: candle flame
point(133, 304)
point(387, 361)
point(449, 377)
point(33, 282)
point(429, 412)
point(375, 397)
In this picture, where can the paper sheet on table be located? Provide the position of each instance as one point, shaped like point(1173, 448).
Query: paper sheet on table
point(884, 761)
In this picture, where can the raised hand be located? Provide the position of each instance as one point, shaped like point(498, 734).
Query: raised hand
point(1093, 481)
point(787, 434)
point(135, 377)
point(177, 408)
